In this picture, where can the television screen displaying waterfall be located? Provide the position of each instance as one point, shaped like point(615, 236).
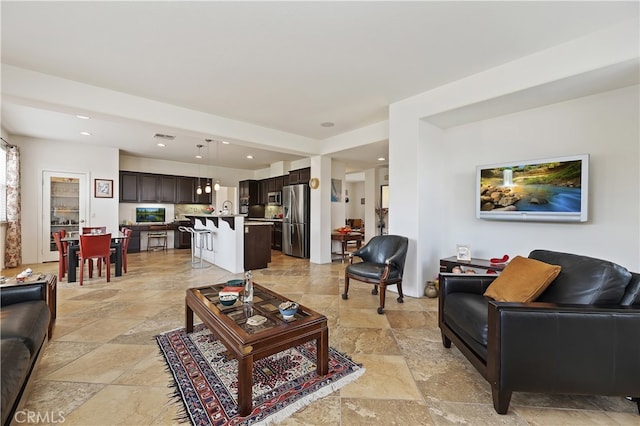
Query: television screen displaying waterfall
point(535, 188)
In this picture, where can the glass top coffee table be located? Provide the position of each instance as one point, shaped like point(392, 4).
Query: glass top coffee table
point(249, 343)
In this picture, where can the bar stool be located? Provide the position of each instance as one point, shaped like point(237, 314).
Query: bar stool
point(200, 239)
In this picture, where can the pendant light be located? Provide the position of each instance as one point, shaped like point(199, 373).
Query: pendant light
point(207, 187)
point(199, 187)
point(216, 187)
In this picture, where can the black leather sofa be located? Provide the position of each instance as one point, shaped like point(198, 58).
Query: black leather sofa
point(580, 336)
point(24, 324)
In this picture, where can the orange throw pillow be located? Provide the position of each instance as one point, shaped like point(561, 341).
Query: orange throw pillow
point(522, 280)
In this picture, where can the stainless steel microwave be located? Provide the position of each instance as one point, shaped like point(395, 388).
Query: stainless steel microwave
point(275, 198)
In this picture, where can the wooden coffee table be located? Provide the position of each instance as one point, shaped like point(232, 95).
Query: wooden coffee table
point(250, 343)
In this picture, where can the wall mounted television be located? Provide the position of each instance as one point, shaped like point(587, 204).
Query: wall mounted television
point(150, 214)
point(546, 190)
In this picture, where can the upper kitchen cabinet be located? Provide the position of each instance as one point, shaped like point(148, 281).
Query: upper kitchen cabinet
point(250, 189)
point(147, 188)
point(156, 188)
point(185, 190)
point(152, 188)
point(167, 189)
point(299, 176)
point(279, 183)
point(128, 187)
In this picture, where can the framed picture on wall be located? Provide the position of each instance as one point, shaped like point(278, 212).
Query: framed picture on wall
point(336, 190)
point(103, 188)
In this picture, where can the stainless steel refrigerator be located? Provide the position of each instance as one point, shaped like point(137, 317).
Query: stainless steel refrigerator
point(295, 221)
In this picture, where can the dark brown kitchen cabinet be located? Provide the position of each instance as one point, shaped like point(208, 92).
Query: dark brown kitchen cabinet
point(271, 185)
point(299, 176)
point(257, 246)
point(155, 188)
point(148, 188)
point(264, 192)
point(250, 189)
point(279, 183)
point(128, 187)
point(276, 236)
point(185, 190)
point(167, 189)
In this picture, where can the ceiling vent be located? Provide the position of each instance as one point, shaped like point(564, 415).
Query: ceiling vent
point(165, 137)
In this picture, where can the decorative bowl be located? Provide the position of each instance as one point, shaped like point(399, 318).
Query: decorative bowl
point(235, 283)
point(228, 299)
point(288, 309)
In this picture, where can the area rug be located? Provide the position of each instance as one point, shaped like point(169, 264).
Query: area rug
point(205, 377)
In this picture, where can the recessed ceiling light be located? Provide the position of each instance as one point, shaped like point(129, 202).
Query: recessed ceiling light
point(381, 159)
point(82, 117)
point(327, 124)
point(198, 156)
point(85, 133)
point(161, 144)
point(225, 143)
point(250, 157)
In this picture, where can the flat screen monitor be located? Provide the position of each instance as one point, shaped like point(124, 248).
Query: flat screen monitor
point(150, 214)
point(545, 190)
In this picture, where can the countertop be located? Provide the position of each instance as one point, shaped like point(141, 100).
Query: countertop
point(249, 222)
point(263, 219)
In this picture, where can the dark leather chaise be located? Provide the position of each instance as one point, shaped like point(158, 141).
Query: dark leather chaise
point(24, 324)
point(580, 336)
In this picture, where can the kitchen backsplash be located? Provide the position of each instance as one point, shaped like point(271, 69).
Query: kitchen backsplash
point(272, 211)
point(182, 209)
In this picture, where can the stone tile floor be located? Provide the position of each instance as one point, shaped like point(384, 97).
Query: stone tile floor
point(103, 367)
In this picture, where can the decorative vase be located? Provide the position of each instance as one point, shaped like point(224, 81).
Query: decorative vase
point(431, 290)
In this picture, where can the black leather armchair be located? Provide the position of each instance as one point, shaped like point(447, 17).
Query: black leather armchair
point(581, 336)
point(382, 265)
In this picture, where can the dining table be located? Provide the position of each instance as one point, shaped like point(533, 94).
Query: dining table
point(74, 247)
point(344, 238)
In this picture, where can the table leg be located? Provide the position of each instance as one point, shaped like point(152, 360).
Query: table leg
point(118, 247)
point(322, 345)
point(245, 385)
point(189, 318)
point(344, 248)
point(72, 259)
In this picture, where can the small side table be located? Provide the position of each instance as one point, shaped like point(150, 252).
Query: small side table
point(448, 263)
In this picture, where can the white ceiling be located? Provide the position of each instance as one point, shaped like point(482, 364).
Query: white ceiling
point(286, 66)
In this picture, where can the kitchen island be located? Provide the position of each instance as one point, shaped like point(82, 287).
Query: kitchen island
point(232, 241)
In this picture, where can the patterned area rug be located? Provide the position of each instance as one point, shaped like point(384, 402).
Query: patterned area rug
point(205, 376)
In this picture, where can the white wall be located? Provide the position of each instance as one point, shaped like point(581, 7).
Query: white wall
point(425, 171)
point(37, 155)
point(604, 126)
point(355, 210)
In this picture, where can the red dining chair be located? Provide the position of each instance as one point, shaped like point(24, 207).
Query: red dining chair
point(95, 246)
point(125, 246)
point(62, 252)
point(94, 230)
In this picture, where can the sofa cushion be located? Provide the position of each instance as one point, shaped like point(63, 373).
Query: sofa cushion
point(583, 280)
point(15, 362)
point(522, 280)
point(26, 321)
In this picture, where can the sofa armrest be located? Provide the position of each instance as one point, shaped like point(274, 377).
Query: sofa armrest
point(22, 293)
point(465, 283)
point(546, 347)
